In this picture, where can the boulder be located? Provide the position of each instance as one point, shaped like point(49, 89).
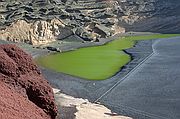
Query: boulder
point(83, 33)
point(115, 29)
point(25, 94)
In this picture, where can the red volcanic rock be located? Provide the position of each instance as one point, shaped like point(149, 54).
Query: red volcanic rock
point(25, 94)
point(14, 106)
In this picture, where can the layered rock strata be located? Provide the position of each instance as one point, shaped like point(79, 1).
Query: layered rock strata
point(90, 20)
point(38, 32)
point(31, 21)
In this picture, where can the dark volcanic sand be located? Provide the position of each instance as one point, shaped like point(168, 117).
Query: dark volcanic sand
point(150, 92)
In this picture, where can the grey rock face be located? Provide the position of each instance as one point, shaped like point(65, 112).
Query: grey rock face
point(93, 19)
point(89, 20)
point(150, 15)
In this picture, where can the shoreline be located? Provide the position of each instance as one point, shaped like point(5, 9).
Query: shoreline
point(50, 74)
point(92, 74)
point(85, 89)
point(56, 78)
point(78, 108)
point(93, 45)
point(66, 46)
point(92, 90)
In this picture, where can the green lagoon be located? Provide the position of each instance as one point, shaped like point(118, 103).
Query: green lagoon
point(97, 62)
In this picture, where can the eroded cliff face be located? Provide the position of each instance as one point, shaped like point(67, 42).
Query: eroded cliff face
point(31, 21)
point(88, 19)
point(25, 94)
point(38, 32)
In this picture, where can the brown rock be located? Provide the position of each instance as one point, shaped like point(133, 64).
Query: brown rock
point(14, 106)
point(24, 93)
point(36, 33)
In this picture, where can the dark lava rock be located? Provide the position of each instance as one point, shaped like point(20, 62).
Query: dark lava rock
point(149, 15)
point(25, 94)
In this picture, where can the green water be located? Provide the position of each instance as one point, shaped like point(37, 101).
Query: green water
point(95, 63)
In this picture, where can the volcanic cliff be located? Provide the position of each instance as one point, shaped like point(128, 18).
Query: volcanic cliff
point(44, 21)
point(25, 94)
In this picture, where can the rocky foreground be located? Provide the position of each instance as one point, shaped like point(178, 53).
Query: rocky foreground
point(78, 108)
point(25, 94)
